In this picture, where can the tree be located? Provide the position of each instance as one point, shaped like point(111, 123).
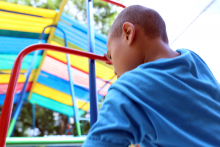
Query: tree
point(45, 122)
point(104, 13)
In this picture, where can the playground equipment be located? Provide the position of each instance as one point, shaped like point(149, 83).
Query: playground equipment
point(6, 112)
point(22, 95)
point(7, 107)
point(50, 141)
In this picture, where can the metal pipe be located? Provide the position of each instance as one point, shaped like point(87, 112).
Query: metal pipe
point(75, 108)
point(8, 104)
point(99, 103)
point(55, 22)
point(37, 141)
point(92, 74)
point(22, 95)
point(106, 83)
point(33, 119)
point(115, 3)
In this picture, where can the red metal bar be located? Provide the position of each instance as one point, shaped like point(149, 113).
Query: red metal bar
point(8, 104)
point(115, 3)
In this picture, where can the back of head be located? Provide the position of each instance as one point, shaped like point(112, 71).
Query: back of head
point(150, 20)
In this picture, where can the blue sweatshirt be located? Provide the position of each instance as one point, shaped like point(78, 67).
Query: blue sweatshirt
point(169, 102)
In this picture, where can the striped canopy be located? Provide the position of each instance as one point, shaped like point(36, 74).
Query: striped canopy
point(20, 26)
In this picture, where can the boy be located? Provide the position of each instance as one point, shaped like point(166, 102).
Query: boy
point(163, 97)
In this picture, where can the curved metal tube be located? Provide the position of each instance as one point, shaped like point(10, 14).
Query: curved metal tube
point(64, 34)
point(75, 109)
point(8, 104)
point(20, 104)
point(115, 3)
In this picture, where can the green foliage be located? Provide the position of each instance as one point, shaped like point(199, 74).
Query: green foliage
point(104, 13)
point(104, 16)
point(45, 121)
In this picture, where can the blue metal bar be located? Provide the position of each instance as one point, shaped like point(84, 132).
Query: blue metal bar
point(33, 119)
point(106, 83)
point(42, 34)
point(92, 73)
point(20, 104)
point(75, 108)
point(99, 103)
point(68, 119)
point(22, 94)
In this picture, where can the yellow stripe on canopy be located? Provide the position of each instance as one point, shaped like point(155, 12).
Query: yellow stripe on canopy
point(81, 63)
point(27, 9)
point(20, 17)
point(22, 28)
point(23, 23)
point(58, 96)
point(4, 78)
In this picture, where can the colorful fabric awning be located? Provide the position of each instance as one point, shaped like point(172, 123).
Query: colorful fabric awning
point(20, 26)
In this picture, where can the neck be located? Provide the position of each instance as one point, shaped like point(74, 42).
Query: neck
point(157, 49)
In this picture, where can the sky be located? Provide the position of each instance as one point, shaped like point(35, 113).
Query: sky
point(202, 37)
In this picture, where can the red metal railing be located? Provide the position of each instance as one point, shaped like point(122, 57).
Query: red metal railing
point(9, 98)
point(115, 3)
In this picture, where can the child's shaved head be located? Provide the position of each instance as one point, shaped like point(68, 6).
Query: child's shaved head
point(151, 22)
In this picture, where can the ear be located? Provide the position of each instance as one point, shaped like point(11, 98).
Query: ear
point(128, 31)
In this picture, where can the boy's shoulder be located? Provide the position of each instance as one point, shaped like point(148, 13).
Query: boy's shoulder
point(163, 69)
point(140, 81)
point(152, 73)
point(166, 75)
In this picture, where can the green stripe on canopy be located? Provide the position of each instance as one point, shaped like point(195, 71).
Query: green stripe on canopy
point(7, 61)
point(19, 34)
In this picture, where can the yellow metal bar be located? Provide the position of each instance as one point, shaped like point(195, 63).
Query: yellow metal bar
point(56, 20)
